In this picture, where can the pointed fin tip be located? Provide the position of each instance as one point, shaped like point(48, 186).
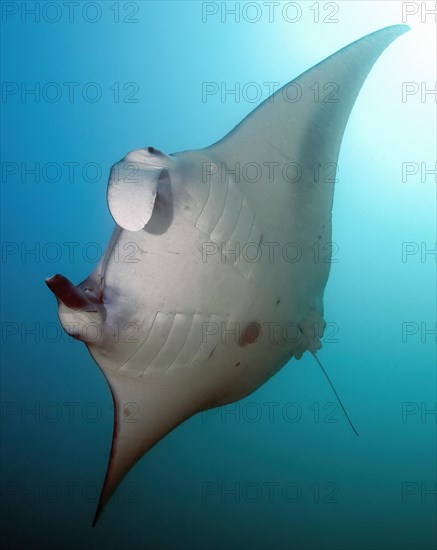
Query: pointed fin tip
point(96, 515)
point(400, 27)
point(381, 39)
point(395, 30)
point(391, 32)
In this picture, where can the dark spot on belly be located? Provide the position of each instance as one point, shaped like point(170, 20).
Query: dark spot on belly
point(319, 237)
point(278, 301)
point(237, 364)
point(250, 334)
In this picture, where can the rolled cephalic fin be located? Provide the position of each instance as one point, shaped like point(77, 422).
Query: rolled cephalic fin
point(133, 186)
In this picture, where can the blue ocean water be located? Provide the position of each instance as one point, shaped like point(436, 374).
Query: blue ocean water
point(84, 84)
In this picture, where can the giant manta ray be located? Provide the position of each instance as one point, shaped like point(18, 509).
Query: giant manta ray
point(210, 282)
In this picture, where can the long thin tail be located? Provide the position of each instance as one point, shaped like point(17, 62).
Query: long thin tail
point(335, 391)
